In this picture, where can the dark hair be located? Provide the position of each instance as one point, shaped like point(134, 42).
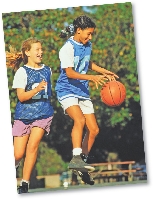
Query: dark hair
point(82, 22)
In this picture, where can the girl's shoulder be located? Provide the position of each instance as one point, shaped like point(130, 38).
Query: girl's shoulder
point(48, 68)
point(20, 75)
point(73, 43)
point(68, 46)
point(45, 66)
point(21, 70)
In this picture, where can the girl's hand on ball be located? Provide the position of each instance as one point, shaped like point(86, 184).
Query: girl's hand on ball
point(98, 79)
point(110, 75)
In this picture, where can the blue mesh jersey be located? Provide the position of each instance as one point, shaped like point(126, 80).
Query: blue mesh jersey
point(39, 107)
point(68, 87)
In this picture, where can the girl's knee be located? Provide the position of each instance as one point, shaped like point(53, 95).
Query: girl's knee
point(97, 131)
point(31, 148)
point(18, 156)
point(80, 121)
point(94, 132)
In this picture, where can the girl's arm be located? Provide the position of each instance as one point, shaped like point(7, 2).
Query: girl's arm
point(26, 95)
point(110, 75)
point(97, 79)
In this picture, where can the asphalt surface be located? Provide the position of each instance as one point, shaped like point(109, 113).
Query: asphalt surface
point(83, 186)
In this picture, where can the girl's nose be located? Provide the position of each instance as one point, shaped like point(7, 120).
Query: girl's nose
point(90, 36)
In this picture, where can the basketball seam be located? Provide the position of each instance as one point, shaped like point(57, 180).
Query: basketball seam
point(120, 92)
point(105, 100)
point(112, 96)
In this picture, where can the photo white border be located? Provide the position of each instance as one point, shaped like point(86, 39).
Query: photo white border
point(143, 16)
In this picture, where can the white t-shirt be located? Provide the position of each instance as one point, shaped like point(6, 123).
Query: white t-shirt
point(20, 77)
point(66, 55)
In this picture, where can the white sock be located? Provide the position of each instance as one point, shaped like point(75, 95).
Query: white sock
point(24, 181)
point(77, 151)
point(86, 157)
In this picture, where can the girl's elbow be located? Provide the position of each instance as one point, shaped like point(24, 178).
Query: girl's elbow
point(21, 100)
point(68, 75)
point(69, 72)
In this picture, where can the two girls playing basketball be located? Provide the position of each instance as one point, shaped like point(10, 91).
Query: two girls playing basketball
point(72, 91)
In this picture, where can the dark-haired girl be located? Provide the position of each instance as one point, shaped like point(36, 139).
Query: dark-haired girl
point(73, 90)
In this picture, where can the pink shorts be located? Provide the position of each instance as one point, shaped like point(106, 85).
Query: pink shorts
point(21, 129)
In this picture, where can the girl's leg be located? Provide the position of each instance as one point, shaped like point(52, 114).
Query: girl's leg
point(31, 151)
point(79, 122)
point(92, 131)
point(77, 162)
point(20, 147)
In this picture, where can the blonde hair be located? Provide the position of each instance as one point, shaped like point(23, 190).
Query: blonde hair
point(14, 58)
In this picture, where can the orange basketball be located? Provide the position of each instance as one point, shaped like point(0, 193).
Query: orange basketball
point(113, 93)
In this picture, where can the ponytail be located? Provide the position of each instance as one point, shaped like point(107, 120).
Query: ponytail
point(69, 30)
point(13, 59)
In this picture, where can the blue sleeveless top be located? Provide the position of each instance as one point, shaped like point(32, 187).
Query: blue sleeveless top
point(68, 87)
point(39, 106)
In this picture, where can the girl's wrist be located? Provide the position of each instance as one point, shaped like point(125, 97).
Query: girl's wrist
point(104, 70)
point(35, 90)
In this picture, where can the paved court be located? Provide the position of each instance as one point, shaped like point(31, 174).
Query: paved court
point(82, 186)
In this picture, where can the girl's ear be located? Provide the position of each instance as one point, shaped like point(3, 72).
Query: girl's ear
point(79, 30)
point(27, 53)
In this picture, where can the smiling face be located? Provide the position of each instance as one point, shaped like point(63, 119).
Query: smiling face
point(34, 54)
point(83, 36)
